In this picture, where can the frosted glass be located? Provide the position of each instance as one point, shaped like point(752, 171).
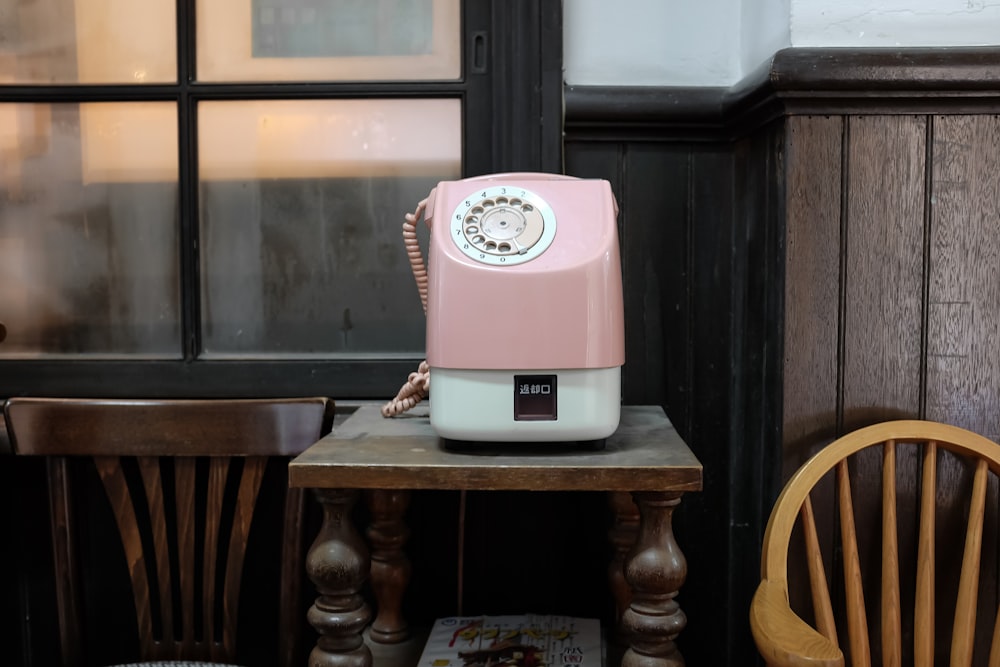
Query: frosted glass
point(88, 265)
point(328, 40)
point(88, 41)
point(302, 204)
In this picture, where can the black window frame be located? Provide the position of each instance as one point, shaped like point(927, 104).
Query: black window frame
point(511, 91)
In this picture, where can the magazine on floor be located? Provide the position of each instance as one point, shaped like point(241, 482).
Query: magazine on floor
point(526, 640)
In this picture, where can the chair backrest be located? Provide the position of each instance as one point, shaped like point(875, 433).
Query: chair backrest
point(182, 478)
point(916, 579)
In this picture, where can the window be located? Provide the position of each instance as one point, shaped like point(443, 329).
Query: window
point(204, 197)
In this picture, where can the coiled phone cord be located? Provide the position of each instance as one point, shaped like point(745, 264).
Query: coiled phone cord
point(418, 383)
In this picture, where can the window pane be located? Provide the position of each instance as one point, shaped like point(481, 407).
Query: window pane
point(88, 230)
point(328, 40)
point(302, 206)
point(88, 41)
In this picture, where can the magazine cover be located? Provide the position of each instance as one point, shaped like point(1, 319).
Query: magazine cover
point(513, 641)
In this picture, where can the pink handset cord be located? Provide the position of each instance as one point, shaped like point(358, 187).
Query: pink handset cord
point(418, 383)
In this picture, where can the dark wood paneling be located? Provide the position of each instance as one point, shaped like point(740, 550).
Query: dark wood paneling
point(704, 537)
point(885, 80)
point(812, 310)
point(884, 268)
point(963, 307)
point(882, 317)
point(963, 301)
point(654, 251)
point(812, 280)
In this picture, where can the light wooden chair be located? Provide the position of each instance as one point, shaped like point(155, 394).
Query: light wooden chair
point(785, 639)
point(182, 479)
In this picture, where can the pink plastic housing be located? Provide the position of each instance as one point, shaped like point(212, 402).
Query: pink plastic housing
point(560, 310)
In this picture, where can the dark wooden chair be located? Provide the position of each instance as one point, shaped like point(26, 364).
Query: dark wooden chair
point(935, 572)
point(182, 478)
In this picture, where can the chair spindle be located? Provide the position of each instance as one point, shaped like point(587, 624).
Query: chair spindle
point(217, 474)
point(149, 467)
point(113, 480)
point(923, 613)
point(822, 607)
point(253, 474)
point(963, 632)
point(857, 621)
point(184, 493)
point(892, 643)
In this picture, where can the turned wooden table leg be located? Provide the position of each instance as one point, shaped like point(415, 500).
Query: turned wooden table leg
point(390, 568)
point(622, 537)
point(655, 569)
point(338, 564)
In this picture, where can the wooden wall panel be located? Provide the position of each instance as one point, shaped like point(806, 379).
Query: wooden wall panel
point(812, 285)
point(963, 342)
point(812, 310)
point(963, 309)
point(654, 251)
point(884, 268)
point(882, 318)
point(756, 313)
point(706, 597)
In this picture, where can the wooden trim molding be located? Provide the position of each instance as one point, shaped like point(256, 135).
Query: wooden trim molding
point(795, 81)
point(643, 110)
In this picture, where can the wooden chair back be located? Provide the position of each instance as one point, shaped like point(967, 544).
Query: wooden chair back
point(783, 637)
point(182, 478)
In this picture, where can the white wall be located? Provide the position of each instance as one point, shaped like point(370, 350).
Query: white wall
point(764, 30)
point(895, 23)
point(717, 42)
point(651, 42)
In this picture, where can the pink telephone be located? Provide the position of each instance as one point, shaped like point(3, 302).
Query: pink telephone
point(525, 320)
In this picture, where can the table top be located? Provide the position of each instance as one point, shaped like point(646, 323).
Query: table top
point(369, 451)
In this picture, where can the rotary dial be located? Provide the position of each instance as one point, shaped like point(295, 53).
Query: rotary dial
point(503, 225)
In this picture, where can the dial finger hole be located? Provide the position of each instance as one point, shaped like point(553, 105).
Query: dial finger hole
point(504, 247)
point(472, 229)
point(491, 245)
point(479, 238)
point(527, 208)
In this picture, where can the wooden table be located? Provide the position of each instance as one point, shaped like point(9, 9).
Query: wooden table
point(645, 467)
